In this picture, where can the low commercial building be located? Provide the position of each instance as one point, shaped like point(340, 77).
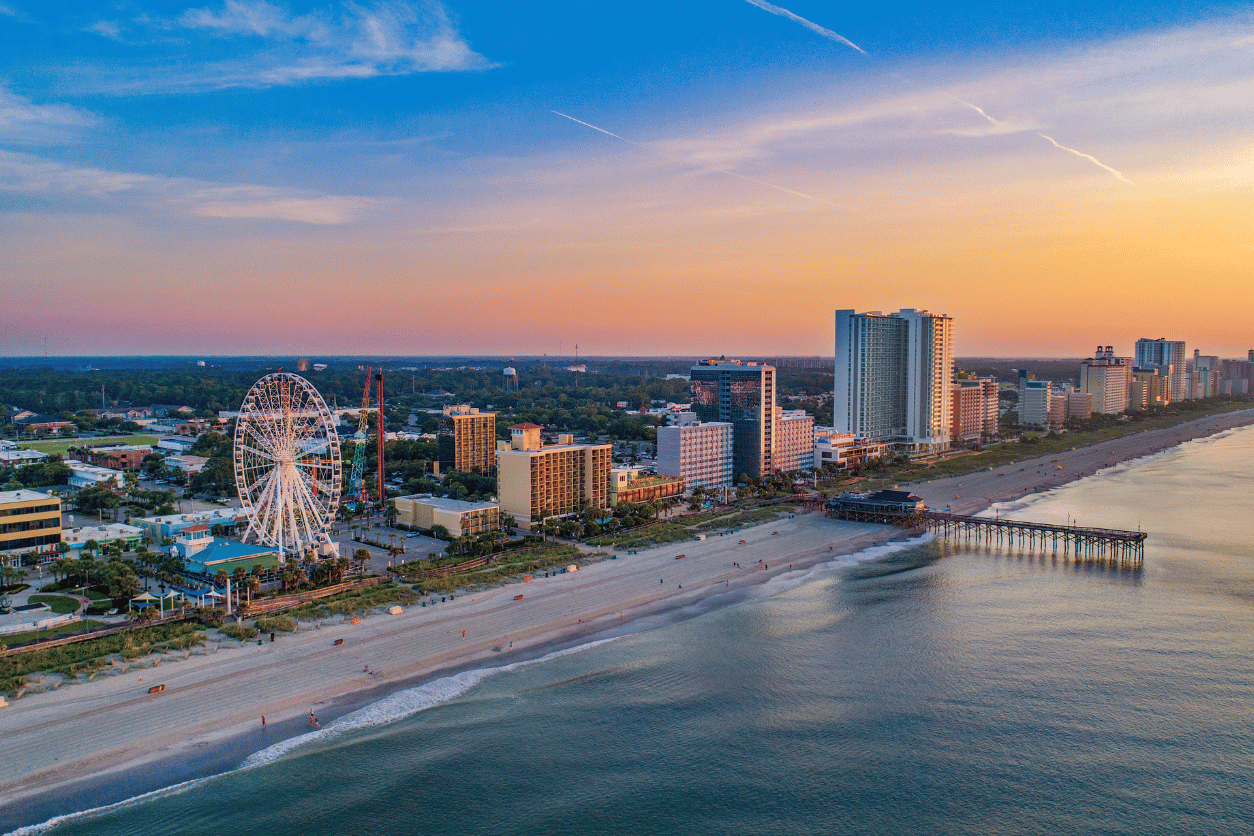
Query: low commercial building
point(459, 517)
point(207, 556)
point(30, 524)
point(701, 454)
point(117, 456)
point(187, 465)
point(177, 445)
point(129, 538)
point(794, 440)
point(633, 484)
point(843, 450)
point(535, 481)
point(170, 525)
point(12, 457)
point(84, 475)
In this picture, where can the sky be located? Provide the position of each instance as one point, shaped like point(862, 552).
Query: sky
point(647, 178)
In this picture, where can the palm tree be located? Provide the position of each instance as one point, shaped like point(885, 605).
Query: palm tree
point(361, 557)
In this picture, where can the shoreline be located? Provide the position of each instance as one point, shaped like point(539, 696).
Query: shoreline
point(208, 721)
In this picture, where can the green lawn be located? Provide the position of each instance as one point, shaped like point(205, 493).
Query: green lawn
point(56, 632)
point(60, 446)
point(61, 604)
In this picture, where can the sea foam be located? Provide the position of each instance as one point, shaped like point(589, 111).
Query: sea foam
point(390, 709)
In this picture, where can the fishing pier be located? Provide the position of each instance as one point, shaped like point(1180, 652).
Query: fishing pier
point(1080, 543)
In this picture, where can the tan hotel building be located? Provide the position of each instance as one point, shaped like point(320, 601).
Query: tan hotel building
point(467, 440)
point(29, 522)
point(535, 480)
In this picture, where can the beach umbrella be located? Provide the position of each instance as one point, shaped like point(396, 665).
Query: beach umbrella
point(144, 597)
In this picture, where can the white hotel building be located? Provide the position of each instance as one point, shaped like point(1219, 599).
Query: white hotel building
point(700, 453)
point(893, 378)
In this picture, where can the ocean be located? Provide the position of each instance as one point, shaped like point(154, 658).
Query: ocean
point(925, 688)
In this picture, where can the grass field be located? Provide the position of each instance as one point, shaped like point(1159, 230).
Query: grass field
point(61, 604)
point(59, 446)
point(55, 633)
point(687, 528)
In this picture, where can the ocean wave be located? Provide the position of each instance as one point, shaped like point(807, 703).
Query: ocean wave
point(403, 704)
point(791, 580)
point(390, 709)
point(56, 821)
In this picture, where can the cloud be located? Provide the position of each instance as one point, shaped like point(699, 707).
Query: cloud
point(5, 10)
point(37, 177)
point(716, 170)
point(25, 123)
point(109, 28)
point(813, 27)
point(273, 204)
point(272, 47)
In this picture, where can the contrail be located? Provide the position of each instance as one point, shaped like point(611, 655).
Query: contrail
point(1055, 142)
point(781, 188)
point(594, 127)
point(813, 27)
point(1088, 157)
point(978, 110)
point(719, 170)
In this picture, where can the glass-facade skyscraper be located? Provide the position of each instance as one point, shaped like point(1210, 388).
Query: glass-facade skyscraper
point(742, 394)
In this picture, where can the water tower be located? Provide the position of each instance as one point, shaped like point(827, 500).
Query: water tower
point(511, 379)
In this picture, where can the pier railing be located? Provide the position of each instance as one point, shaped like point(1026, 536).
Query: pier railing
point(1126, 548)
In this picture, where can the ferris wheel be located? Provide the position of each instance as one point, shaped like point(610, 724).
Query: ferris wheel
point(287, 464)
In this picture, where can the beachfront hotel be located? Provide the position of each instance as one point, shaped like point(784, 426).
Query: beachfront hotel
point(537, 480)
point(794, 440)
point(467, 440)
point(742, 394)
point(699, 453)
point(1168, 357)
point(1108, 379)
point(30, 523)
point(893, 378)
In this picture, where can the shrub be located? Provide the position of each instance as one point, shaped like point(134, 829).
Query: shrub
point(208, 616)
point(240, 631)
point(276, 624)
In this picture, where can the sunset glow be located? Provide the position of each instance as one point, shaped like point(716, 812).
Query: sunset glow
point(257, 178)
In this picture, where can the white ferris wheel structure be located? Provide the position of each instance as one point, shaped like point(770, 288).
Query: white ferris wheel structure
point(287, 464)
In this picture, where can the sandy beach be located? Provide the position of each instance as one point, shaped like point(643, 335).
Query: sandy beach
point(56, 741)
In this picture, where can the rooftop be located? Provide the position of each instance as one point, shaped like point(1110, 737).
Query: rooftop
point(22, 496)
point(443, 502)
point(526, 426)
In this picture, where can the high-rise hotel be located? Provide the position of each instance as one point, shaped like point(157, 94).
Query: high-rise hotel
point(1168, 358)
point(893, 378)
point(743, 395)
